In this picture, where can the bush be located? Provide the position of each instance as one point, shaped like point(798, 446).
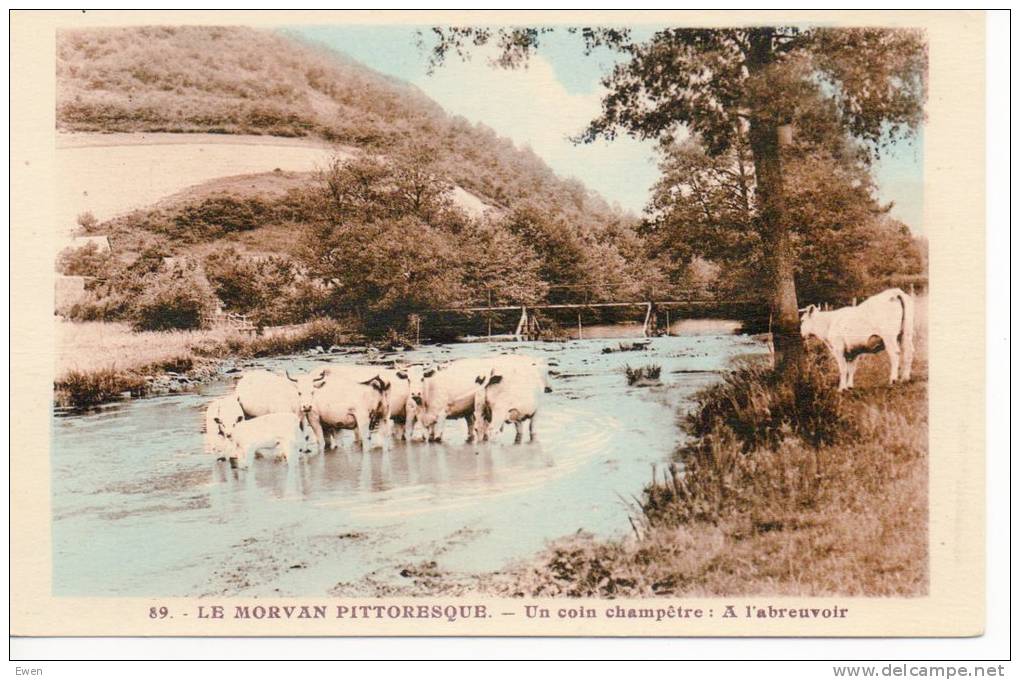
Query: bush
point(178, 298)
point(643, 375)
point(82, 389)
point(95, 307)
point(760, 407)
point(112, 296)
point(318, 333)
point(324, 332)
point(87, 221)
point(268, 289)
point(83, 261)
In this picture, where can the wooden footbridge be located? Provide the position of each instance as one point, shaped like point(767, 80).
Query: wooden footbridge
point(653, 312)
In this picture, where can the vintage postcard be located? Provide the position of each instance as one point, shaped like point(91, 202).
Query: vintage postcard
point(497, 323)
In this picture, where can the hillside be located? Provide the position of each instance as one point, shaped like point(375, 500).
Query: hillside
point(244, 81)
point(422, 209)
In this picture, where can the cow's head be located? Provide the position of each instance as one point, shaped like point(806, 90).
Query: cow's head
point(226, 426)
point(307, 434)
point(429, 372)
point(306, 385)
point(808, 320)
point(229, 416)
point(483, 409)
point(491, 379)
point(378, 384)
point(415, 377)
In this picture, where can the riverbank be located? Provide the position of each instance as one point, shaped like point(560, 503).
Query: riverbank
point(98, 362)
point(845, 517)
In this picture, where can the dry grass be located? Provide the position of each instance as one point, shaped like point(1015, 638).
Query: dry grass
point(100, 361)
point(94, 346)
point(848, 517)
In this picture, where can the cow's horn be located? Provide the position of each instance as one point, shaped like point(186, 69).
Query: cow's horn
point(286, 372)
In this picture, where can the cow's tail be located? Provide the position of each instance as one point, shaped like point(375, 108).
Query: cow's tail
point(907, 321)
point(906, 338)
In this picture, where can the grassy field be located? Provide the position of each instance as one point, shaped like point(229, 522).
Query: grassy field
point(99, 361)
point(845, 517)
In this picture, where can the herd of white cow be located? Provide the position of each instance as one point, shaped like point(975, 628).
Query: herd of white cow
point(291, 415)
point(305, 414)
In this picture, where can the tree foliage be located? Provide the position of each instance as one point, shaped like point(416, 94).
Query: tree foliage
point(176, 297)
point(847, 245)
point(731, 87)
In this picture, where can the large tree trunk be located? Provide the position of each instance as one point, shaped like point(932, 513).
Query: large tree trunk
point(776, 240)
point(779, 255)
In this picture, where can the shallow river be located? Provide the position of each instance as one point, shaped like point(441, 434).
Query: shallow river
point(140, 510)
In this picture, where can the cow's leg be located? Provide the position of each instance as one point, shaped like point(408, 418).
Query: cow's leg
point(892, 348)
point(851, 371)
point(320, 439)
point(247, 457)
point(386, 432)
point(438, 427)
point(470, 418)
point(498, 416)
point(907, 358)
point(531, 428)
point(841, 364)
point(411, 416)
point(519, 426)
point(838, 351)
point(362, 418)
point(235, 456)
point(482, 427)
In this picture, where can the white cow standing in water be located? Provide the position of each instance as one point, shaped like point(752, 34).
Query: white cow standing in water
point(883, 321)
point(262, 392)
point(285, 433)
point(221, 416)
point(405, 393)
point(344, 404)
point(508, 395)
point(449, 391)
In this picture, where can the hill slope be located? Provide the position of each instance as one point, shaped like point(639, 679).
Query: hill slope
point(404, 223)
point(235, 80)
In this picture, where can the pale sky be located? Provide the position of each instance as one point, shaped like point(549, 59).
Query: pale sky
point(553, 99)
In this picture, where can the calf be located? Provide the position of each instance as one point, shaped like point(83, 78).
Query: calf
point(883, 321)
point(286, 433)
point(261, 392)
point(221, 415)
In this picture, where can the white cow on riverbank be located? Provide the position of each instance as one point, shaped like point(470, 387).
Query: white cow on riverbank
point(883, 321)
